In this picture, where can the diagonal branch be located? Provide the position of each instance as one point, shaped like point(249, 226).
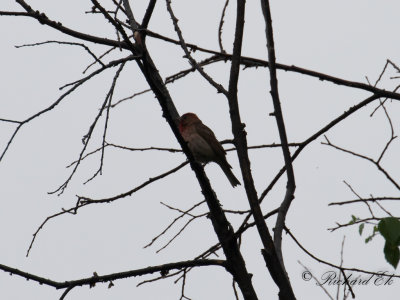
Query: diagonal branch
point(84, 201)
point(75, 85)
point(107, 117)
point(371, 160)
point(87, 137)
point(66, 43)
point(192, 61)
point(313, 137)
point(381, 274)
point(183, 213)
point(148, 14)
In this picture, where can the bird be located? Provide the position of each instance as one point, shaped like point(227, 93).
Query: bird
point(204, 145)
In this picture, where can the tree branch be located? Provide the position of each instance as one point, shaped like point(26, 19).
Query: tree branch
point(291, 185)
point(43, 19)
point(114, 276)
point(192, 61)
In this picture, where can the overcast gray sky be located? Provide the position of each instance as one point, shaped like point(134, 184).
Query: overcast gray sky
point(348, 39)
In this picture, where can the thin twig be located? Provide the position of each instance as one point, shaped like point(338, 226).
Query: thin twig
point(67, 290)
point(316, 280)
point(180, 231)
point(221, 24)
point(107, 108)
point(183, 213)
point(75, 85)
point(192, 61)
point(96, 59)
point(333, 265)
point(371, 160)
point(84, 201)
point(88, 135)
point(100, 57)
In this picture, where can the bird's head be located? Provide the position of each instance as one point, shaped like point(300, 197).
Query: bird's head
point(187, 119)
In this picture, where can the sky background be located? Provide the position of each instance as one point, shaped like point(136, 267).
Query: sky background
point(348, 39)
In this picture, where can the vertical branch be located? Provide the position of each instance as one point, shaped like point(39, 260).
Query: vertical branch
point(221, 23)
point(291, 185)
point(272, 260)
point(109, 96)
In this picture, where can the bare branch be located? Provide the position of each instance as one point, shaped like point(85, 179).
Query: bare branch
point(382, 170)
point(96, 59)
point(221, 24)
point(134, 25)
point(291, 185)
point(67, 290)
point(11, 139)
point(192, 61)
point(183, 287)
point(316, 280)
point(100, 57)
point(373, 199)
point(324, 129)
point(183, 213)
point(148, 14)
point(75, 85)
point(87, 137)
point(359, 221)
point(255, 62)
point(107, 107)
point(114, 276)
point(14, 14)
point(172, 78)
point(10, 121)
point(84, 200)
point(385, 210)
point(180, 231)
point(333, 265)
point(43, 19)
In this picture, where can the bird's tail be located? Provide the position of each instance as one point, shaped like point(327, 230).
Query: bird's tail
point(226, 167)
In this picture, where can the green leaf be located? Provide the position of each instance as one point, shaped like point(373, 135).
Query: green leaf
point(392, 254)
point(374, 231)
point(390, 230)
point(353, 219)
point(361, 228)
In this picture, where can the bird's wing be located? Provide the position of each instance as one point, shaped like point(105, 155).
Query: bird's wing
point(208, 135)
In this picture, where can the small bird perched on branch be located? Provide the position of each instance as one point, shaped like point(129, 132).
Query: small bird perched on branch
point(204, 145)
